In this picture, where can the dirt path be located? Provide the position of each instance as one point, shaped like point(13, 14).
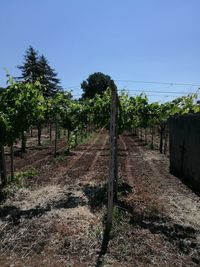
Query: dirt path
point(161, 204)
point(181, 203)
point(36, 156)
point(54, 222)
point(57, 219)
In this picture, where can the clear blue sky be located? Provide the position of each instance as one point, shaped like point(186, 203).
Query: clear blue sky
point(150, 40)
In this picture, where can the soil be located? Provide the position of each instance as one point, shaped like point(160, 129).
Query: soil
point(57, 217)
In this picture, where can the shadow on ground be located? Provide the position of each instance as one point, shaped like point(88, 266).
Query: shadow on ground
point(14, 214)
point(97, 195)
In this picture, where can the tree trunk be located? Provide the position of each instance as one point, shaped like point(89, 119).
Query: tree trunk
point(12, 162)
point(68, 138)
point(59, 133)
point(86, 132)
point(50, 131)
point(4, 180)
point(76, 139)
point(137, 132)
point(161, 140)
point(166, 142)
point(152, 137)
point(142, 133)
point(145, 135)
point(56, 139)
point(31, 131)
point(23, 145)
point(39, 134)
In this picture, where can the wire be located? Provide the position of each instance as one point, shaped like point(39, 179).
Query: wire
point(153, 95)
point(74, 86)
point(168, 83)
point(153, 91)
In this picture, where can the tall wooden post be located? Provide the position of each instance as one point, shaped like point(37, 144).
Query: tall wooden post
point(3, 167)
point(56, 139)
point(12, 161)
point(113, 157)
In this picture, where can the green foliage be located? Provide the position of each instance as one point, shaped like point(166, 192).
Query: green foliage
point(138, 112)
point(96, 83)
point(72, 141)
point(27, 174)
point(118, 215)
point(30, 68)
point(100, 109)
point(1, 90)
point(36, 68)
point(21, 176)
point(5, 129)
point(22, 104)
point(48, 78)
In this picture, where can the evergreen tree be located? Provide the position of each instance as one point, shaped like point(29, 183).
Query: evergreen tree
point(48, 78)
point(30, 68)
point(1, 90)
point(36, 68)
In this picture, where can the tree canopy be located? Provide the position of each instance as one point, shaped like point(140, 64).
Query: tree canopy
point(96, 83)
point(1, 90)
point(37, 68)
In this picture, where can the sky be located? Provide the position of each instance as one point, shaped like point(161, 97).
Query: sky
point(130, 40)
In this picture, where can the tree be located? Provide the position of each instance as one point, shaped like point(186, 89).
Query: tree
point(5, 129)
point(58, 110)
point(96, 83)
point(24, 105)
point(100, 109)
point(30, 68)
point(1, 90)
point(36, 68)
point(48, 78)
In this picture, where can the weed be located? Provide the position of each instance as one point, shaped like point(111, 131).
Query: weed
point(150, 146)
point(86, 138)
point(118, 215)
point(123, 188)
point(98, 231)
point(57, 159)
point(21, 176)
point(46, 142)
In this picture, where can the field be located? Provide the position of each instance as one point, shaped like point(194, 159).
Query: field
point(56, 216)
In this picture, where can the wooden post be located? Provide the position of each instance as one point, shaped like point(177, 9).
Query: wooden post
point(113, 150)
point(12, 161)
point(145, 133)
point(56, 139)
point(39, 133)
point(50, 132)
point(152, 137)
point(31, 131)
point(115, 169)
point(3, 167)
point(23, 145)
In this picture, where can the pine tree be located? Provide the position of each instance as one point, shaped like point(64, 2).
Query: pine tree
point(1, 90)
point(36, 68)
point(30, 68)
point(48, 78)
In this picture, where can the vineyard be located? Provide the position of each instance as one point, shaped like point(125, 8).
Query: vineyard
point(54, 163)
